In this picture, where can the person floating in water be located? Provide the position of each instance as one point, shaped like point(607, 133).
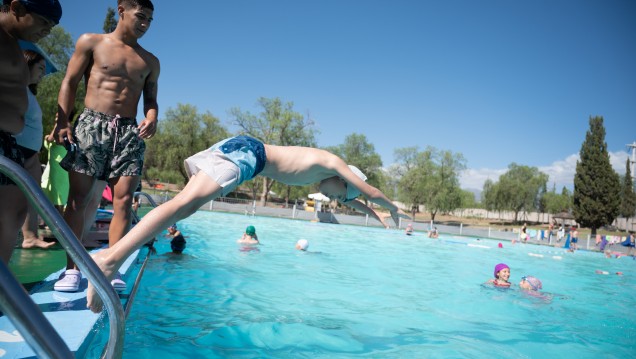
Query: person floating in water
point(409, 229)
point(218, 170)
point(502, 276)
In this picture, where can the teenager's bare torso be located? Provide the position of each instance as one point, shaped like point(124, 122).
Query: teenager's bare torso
point(116, 75)
point(299, 166)
point(14, 76)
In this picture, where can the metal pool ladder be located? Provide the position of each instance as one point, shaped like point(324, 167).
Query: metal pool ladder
point(18, 305)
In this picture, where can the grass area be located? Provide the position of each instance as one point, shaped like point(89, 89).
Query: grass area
point(31, 266)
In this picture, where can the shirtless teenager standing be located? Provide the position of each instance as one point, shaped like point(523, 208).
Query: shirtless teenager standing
point(107, 143)
point(29, 20)
point(221, 168)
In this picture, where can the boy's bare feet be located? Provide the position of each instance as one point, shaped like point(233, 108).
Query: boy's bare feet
point(30, 243)
point(93, 301)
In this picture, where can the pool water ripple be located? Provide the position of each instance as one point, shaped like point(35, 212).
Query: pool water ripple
point(373, 293)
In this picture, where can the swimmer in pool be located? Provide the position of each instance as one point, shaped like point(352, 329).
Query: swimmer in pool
point(502, 276)
point(178, 242)
point(302, 245)
point(530, 283)
point(249, 237)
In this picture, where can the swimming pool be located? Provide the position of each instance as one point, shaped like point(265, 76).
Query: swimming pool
point(368, 292)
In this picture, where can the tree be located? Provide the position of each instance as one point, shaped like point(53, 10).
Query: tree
point(357, 151)
point(468, 199)
point(489, 196)
point(555, 203)
point(181, 133)
point(628, 197)
point(110, 23)
point(430, 178)
point(596, 185)
point(411, 169)
point(59, 47)
point(519, 189)
point(443, 191)
point(277, 124)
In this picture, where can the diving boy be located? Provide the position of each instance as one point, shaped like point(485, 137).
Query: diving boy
point(218, 170)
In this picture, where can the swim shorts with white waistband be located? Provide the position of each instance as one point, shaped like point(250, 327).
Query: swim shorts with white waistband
point(229, 162)
point(107, 146)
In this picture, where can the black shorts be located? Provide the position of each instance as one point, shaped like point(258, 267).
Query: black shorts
point(10, 149)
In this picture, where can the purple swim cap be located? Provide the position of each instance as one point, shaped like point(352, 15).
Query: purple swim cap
point(50, 9)
point(499, 267)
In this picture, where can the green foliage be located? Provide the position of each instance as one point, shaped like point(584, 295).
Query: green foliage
point(555, 203)
point(58, 45)
point(109, 22)
point(181, 133)
point(277, 124)
point(489, 196)
point(468, 199)
point(48, 91)
point(357, 151)
point(628, 197)
point(596, 184)
point(519, 189)
point(429, 178)
point(411, 170)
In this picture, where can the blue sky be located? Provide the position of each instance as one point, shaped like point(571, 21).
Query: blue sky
point(497, 81)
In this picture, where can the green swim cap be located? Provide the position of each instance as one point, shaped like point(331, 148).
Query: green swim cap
point(250, 230)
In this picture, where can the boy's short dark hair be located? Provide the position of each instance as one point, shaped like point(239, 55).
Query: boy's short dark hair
point(134, 3)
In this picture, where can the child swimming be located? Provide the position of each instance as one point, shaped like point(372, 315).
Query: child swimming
point(530, 283)
point(502, 275)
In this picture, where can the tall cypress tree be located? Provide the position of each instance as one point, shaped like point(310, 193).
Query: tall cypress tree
point(628, 197)
point(596, 197)
point(110, 23)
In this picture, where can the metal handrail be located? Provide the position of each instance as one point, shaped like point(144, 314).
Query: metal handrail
point(148, 197)
point(74, 248)
point(29, 320)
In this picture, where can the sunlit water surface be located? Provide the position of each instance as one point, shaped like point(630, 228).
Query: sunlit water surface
point(373, 293)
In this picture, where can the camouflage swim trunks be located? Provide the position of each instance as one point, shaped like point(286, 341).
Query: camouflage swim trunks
point(9, 148)
point(107, 146)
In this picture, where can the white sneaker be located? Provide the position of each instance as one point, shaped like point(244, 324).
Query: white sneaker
point(118, 284)
point(69, 282)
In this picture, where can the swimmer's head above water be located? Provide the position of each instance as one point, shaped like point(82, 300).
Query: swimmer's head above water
point(530, 283)
point(302, 244)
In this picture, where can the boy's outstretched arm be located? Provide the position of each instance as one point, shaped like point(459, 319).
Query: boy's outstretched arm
point(355, 204)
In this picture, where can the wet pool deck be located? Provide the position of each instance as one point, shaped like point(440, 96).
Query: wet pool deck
point(67, 312)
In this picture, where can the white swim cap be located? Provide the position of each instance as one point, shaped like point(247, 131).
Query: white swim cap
point(302, 244)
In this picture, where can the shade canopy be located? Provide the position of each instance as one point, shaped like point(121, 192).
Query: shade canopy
point(563, 215)
point(319, 197)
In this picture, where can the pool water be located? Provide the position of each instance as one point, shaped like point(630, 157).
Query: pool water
point(373, 293)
